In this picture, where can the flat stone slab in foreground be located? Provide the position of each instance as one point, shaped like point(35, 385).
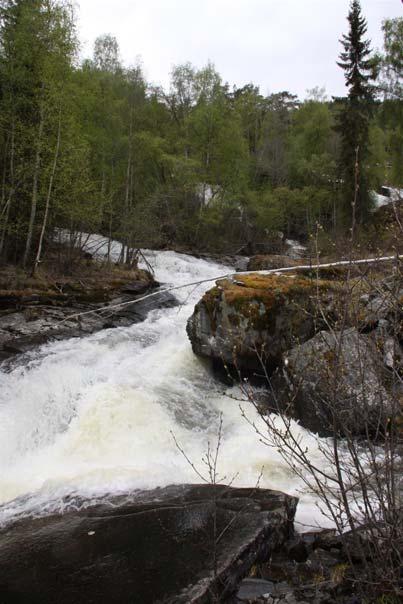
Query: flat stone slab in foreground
point(161, 546)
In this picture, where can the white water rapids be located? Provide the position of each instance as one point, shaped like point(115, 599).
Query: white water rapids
point(94, 416)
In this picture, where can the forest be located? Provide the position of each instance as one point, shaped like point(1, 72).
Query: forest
point(201, 318)
point(90, 146)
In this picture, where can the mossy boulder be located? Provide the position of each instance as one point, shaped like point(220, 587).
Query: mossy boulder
point(250, 321)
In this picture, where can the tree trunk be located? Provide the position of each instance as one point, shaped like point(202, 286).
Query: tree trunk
point(127, 189)
point(3, 184)
point(35, 185)
point(48, 197)
point(7, 206)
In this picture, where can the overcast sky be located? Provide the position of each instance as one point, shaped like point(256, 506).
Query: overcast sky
point(276, 44)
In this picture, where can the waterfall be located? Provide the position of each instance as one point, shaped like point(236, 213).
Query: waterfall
point(95, 416)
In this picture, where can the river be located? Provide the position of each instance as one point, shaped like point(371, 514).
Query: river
point(94, 416)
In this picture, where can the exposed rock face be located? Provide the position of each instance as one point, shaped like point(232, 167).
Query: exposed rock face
point(159, 547)
point(256, 318)
point(272, 325)
point(29, 321)
point(334, 381)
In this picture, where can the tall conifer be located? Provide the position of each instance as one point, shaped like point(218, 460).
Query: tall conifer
point(354, 116)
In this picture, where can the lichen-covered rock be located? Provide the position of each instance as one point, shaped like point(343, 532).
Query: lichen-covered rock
point(335, 384)
point(251, 321)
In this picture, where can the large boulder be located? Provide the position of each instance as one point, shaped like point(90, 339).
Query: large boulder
point(250, 321)
point(334, 383)
point(181, 544)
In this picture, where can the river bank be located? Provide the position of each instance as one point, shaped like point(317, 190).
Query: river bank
point(56, 304)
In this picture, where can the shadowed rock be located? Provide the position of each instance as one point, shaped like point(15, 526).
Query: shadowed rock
point(161, 546)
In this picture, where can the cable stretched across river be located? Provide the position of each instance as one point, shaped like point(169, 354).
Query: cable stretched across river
point(172, 288)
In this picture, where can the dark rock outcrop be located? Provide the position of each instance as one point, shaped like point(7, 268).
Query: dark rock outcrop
point(136, 287)
point(161, 546)
point(383, 307)
point(333, 355)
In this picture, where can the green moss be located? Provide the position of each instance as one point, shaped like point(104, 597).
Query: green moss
point(254, 297)
point(270, 290)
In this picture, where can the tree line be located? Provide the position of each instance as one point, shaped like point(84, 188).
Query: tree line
point(91, 146)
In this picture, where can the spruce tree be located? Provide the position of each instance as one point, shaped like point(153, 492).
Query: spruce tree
point(354, 115)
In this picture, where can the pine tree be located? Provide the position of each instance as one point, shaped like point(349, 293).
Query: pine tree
point(354, 116)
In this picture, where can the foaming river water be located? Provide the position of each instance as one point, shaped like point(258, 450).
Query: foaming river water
point(93, 416)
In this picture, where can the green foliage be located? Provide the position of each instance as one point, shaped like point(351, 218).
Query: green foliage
point(312, 144)
point(391, 62)
point(378, 156)
point(196, 166)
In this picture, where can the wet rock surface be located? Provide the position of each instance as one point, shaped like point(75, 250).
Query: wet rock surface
point(159, 546)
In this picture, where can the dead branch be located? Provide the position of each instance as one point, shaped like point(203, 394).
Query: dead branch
point(231, 275)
